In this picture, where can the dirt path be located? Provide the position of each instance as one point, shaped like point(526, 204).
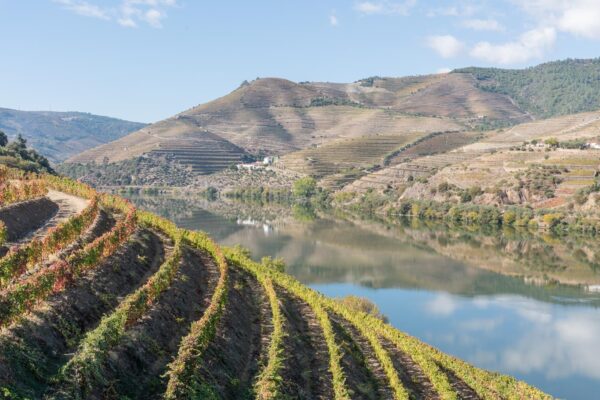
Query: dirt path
point(137, 365)
point(101, 224)
point(306, 365)
point(68, 205)
point(33, 349)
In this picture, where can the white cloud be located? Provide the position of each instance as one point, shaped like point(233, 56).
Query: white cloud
point(444, 70)
point(129, 13)
point(531, 44)
point(385, 7)
point(445, 45)
point(153, 17)
point(83, 8)
point(578, 17)
point(333, 21)
point(558, 347)
point(443, 305)
point(462, 10)
point(483, 25)
point(582, 20)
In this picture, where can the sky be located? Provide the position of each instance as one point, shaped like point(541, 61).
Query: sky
point(145, 60)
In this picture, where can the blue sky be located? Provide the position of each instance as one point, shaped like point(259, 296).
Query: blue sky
point(145, 60)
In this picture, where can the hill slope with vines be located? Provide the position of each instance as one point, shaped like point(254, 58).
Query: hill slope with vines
point(114, 302)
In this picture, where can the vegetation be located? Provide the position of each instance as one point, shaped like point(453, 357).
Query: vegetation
point(332, 101)
point(487, 385)
point(363, 305)
point(183, 381)
point(19, 259)
point(492, 217)
point(59, 135)
point(546, 90)
point(540, 180)
point(83, 366)
point(305, 188)
point(15, 154)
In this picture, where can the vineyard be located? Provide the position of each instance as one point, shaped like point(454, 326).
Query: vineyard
point(117, 303)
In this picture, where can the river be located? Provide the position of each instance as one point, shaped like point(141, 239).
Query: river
point(506, 301)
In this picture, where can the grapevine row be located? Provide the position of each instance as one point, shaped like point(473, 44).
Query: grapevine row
point(487, 385)
point(35, 251)
point(267, 386)
point(16, 191)
point(84, 367)
point(312, 299)
point(183, 380)
point(22, 296)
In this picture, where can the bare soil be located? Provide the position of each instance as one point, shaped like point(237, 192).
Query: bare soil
point(33, 349)
point(231, 362)
point(412, 376)
point(365, 378)
point(23, 218)
point(68, 205)
point(103, 223)
point(306, 366)
point(136, 367)
point(464, 391)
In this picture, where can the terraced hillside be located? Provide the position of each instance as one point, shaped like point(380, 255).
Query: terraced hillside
point(118, 303)
point(495, 159)
point(274, 116)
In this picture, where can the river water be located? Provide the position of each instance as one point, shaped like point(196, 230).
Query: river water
point(506, 301)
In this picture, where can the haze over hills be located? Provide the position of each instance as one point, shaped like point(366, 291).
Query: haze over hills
point(60, 135)
point(342, 132)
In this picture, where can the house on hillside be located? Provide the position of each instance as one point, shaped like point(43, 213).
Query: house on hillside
point(593, 145)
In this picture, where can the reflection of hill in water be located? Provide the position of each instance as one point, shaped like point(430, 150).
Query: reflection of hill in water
point(415, 256)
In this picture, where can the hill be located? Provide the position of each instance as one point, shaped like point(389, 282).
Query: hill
point(547, 90)
point(119, 303)
point(274, 116)
point(543, 164)
point(60, 135)
point(341, 132)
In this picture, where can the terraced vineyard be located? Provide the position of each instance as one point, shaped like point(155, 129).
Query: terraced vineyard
point(420, 167)
point(343, 155)
point(203, 155)
point(113, 302)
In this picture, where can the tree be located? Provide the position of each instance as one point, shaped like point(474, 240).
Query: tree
point(3, 139)
point(305, 187)
point(552, 142)
point(19, 146)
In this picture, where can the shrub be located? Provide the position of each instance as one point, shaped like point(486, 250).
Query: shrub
point(362, 304)
point(305, 187)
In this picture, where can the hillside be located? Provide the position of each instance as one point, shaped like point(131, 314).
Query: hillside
point(516, 166)
point(274, 116)
point(357, 132)
point(60, 135)
point(119, 303)
point(547, 90)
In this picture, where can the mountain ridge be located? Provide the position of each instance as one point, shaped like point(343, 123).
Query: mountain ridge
point(61, 134)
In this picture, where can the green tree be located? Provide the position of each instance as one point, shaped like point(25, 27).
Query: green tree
point(3, 139)
point(305, 187)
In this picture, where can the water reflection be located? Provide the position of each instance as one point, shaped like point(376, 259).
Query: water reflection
point(506, 301)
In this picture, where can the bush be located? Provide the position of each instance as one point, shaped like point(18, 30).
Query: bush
point(305, 187)
point(362, 304)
